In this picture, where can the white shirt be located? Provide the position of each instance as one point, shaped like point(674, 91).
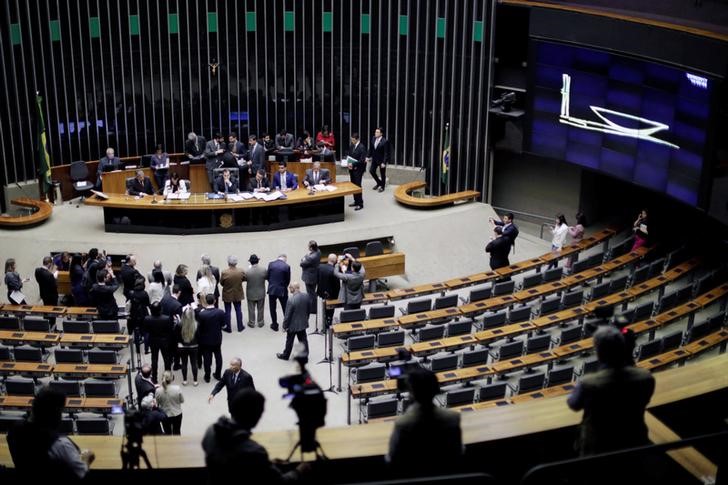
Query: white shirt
point(206, 286)
point(559, 236)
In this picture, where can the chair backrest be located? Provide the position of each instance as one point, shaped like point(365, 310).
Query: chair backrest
point(381, 311)
point(570, 334)
point(382, 408)
point(96, 356)
point(532, 280)
point(627, 316)
point(93, 426)
point(531, 382)
point(672, 340)
point(618, 284)
point(550, 304)
point(595, 260)
point(667, 301)
point(590, 365)
point(26, 353)
point(510, 349)
point(573, 298)
point(699, 330)
point(375, 371)
point(9, 322)
point(66, 426)
point(560, 375)
point(78, 170)
point(374, 248)
point(656, 267)
point(599, 290)
point(360, 342)
point(106, 326)
point(76, 326)
point(36, 324)
point(68, 356)
point(648, 349)
point(503, 288)
point(580, 266)
point(552, 274)
point(684, 294)
point(459, 328)
point(417, 306)
point(520, 314)
point(353, 250)
point(643, 311)
point(475, 357)
point(4, 353)
point(640, 275)
point(99, 388)
point(492, 391)
point(67, 388)
point(217, 172)
point(495, 319)
point(9, 421)
point(352, 315)
point(538, 343)
point(390, 339)
point(460, 396)
point(430, 332)
point(620, 248)
point(717, 322)
point(444, 362)
point(480, 294)
point(446, 301)
point(19, 386)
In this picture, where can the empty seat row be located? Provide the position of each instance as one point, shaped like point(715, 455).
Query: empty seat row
point(427, 304)
point(27, 353)
point(81, 425)
point(21, 386)
point(95, 326)
point(27, 324)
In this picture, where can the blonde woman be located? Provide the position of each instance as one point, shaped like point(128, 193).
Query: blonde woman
point(186, 332)
point(206, 282)
point(169, 399)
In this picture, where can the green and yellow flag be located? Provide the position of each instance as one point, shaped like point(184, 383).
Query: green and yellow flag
point(44, 158)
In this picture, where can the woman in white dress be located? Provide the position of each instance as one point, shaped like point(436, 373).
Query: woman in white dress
point(559, 231)
point(206, 283)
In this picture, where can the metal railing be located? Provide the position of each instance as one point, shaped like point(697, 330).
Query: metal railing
point(528, 215)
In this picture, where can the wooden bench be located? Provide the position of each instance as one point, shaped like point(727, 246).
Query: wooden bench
point(27, 368)
point(42, 210)
point(383, 265)
point(403, 195)
point(17, 337)
point(104, 340)
point(73, 403)
point(90, 370)
point(344, 330)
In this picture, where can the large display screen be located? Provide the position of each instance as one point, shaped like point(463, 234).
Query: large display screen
point(639, 121)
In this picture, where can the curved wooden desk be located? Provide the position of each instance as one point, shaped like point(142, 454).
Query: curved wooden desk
point(42, 211)
point(198, 215)
point(403, 195)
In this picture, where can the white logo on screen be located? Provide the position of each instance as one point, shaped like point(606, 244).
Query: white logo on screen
point(645, 133)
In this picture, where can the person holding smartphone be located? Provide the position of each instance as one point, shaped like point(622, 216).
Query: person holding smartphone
point(640, 228)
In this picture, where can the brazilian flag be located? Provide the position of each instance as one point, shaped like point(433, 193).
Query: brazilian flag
point(446, 155)
point(44, 158)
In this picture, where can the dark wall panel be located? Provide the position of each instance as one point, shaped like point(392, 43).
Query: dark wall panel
point(130, 74)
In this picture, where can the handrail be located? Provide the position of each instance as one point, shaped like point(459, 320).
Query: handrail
point(521, 213)
point(544, 473)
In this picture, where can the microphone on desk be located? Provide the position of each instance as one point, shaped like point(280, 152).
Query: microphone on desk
point(154, 199)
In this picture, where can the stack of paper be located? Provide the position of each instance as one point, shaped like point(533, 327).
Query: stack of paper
point(324, 188)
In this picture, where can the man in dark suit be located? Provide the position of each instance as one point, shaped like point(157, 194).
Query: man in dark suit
point(210, 322)
point(279, 277)
point(498, 247)
point(194, 147)
point(510, 230)
point(47, 282)
point(129, 275)
point(225, 184)
point(613, 399)
point(234, 379)
point(108, 163)
point(284, 180)
point(309, 272)
point(236, 146)
point(213, 151)
point(358, 152)
point(143, 383)
point(255, 157)
point(328, 285)
point(379, 153)
point(295, 321)
point(161, 337)
point(169, 304)
point(205, 259)
point(259, 183)
point(140, 185)
point(284, 140)
point(228, 159)
point(316, 176)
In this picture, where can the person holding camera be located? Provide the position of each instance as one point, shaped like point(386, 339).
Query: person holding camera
point(102, 294)
point(234, 379)
point(295, 321)
point(230, 452)
point(328, 286)
point(352, 282)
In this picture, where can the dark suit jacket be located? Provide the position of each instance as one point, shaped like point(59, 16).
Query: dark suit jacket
point(160, 329)
point(381, 153)
point(186, 293)
point(229, 160)
point(309, 266)
point(136, 188)
point(220, 185)
point(499, 249)
point(170, 306)
point(107, 164)
point(296, 315)
point(279, 277)
point(195, 149)
point(256, 154)
point(128, 275)
point(328, 283)
point(291, 180)
point(233, 385)
point(253, 184)
point(614, 402)
point(210, 148)
point(359, 153)
point(324, 177)
point(210, 322)
point(284, 141)
point(143, 387)
point(47, 285)
point(510, 231)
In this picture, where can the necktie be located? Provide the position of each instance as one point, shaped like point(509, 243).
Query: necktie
point(315, 178)
point(258, 183)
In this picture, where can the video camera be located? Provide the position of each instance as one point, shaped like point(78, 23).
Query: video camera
point(401, 371)
point(131, 448)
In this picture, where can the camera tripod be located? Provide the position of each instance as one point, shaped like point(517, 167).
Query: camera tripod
point(131, 451)
point(318, 450)
point(328, 334)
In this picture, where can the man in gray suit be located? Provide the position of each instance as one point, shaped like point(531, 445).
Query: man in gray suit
point(213, 152)
point(256, 276)
point(255, 158)
point(352, 284)
point(309, 267)
point(295, 321)
point(316, 176)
